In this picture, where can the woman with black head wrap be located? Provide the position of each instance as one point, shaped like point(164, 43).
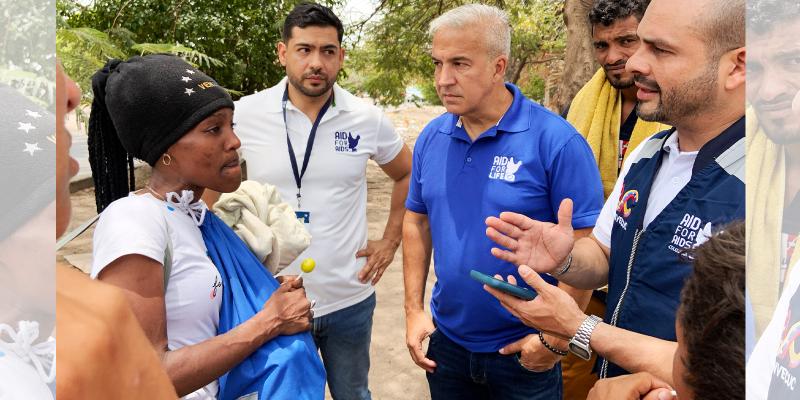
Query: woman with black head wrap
point(157, 245)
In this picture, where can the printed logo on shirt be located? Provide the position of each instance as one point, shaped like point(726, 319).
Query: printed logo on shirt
point(504, 168)
point(344, 142)
point(690, 232)
point(787, 364)
point(623, 148)
point(627, 200)
point(217, 284)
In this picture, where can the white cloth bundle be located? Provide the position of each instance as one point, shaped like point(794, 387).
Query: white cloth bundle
point(265, 223)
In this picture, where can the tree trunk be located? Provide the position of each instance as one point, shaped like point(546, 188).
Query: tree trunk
point(579, 63)
point(515, 73)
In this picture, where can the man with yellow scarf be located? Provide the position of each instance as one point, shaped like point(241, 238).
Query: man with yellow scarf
point(773, 204)
point(604, 112)
point(773, 153)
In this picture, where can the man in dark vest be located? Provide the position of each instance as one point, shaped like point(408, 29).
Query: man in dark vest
point(673, 191)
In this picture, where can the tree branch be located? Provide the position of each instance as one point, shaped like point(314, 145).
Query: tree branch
point(546, 60)
point(119, 13)
point(176, 15)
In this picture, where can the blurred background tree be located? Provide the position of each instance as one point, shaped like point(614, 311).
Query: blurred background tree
point(27, 51)
point(387, 49)
point(392, 54)
point(231, 40)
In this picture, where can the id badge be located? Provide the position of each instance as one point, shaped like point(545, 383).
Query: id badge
point(303, 216)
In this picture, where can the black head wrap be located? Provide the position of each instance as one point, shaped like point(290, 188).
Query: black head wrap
point(141, 107)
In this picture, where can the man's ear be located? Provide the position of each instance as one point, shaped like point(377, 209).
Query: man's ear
point(282, 53)
point(736, 61)
point(500, 66)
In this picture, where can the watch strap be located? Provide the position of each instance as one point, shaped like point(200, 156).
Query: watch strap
point(583, 337)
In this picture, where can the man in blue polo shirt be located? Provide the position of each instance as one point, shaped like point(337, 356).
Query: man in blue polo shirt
point(493, 150)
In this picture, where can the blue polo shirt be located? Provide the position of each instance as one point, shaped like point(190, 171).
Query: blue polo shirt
point(527, 164)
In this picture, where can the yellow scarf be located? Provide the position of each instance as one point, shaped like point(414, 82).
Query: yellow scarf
point(766, 181)
point(595, 113)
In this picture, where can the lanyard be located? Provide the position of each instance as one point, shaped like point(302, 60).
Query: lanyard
point(298, 176)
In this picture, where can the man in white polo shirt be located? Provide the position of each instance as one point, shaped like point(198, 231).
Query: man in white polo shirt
point(312, 139)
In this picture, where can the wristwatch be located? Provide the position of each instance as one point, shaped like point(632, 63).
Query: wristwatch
point(579, 345)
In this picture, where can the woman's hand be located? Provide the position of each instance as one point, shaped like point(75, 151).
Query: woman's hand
point(290, 308)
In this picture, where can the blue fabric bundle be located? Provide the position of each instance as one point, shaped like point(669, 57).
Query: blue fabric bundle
point(286, 367)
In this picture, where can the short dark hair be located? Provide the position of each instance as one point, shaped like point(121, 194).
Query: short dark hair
point(311, 14)
point(712, 316)
point(763, 15)
point(607, 12)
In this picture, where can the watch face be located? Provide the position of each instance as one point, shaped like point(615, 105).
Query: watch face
point(579, 351)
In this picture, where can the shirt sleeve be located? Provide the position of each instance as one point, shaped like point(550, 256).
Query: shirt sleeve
point(414, 200)
point(605, 222)
point(388, 143)
point(574, 175)
point(129, 226)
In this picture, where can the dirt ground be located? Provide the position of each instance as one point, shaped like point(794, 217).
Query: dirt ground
point(393, 375)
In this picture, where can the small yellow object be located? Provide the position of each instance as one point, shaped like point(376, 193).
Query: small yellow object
point(308, 265)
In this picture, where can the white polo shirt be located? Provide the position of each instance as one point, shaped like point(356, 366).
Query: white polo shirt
point(334, 187)
point(674, 173)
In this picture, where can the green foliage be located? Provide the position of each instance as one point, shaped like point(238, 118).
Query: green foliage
point(429, 94)
point(234, 41)
point(396, 50)
point(533, 88)
point(193, 56)
point(83, 51)
point(27, 51)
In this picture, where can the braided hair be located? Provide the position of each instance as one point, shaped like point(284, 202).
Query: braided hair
point(112, 166)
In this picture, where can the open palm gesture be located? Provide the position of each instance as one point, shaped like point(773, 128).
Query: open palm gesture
point(543, 246)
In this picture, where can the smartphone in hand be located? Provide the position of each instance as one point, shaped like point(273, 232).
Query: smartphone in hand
point(503, 286)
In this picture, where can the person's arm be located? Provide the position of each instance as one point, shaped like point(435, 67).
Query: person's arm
point(192, 367)
point(581, 296)
point(633, 351)
point(555, 312)
point(589, 268)
point(380, 253)
point(538, 358)
point(98, 336)
point(417, 247)
point(545, 247)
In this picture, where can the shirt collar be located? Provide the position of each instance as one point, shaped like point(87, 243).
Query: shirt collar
point(671, 143)
point(716, 146)
point(515, 119)
point(711, 150)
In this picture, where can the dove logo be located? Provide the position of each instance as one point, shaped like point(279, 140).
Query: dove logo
point(345, 142)
point(504, 168)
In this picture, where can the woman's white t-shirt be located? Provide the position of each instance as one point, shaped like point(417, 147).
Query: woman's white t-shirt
point(137, 224)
